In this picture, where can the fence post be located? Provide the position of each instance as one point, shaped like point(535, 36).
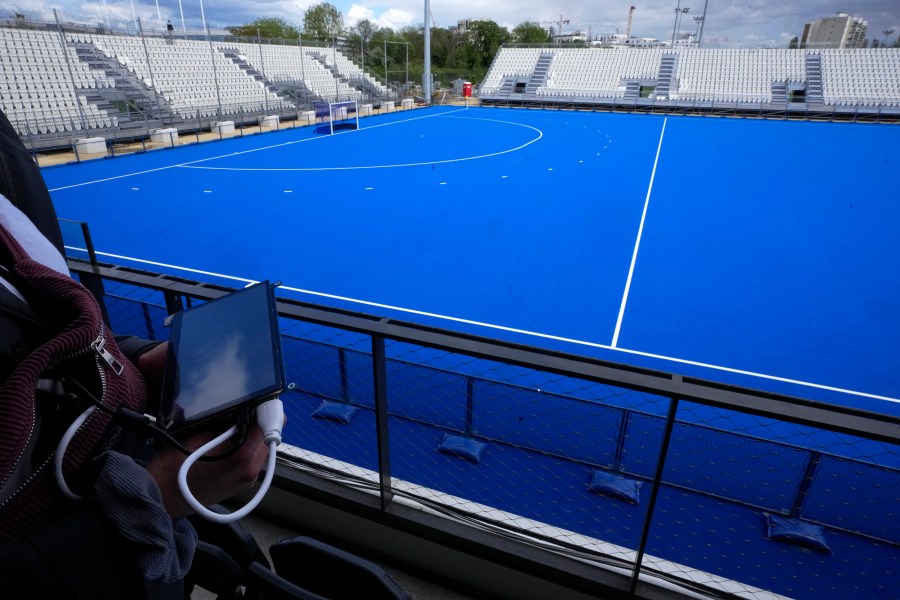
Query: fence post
point(379, 371)
point(654, 492)
point(809, 474)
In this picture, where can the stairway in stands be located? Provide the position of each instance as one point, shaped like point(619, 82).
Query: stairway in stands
point(814, 93)
point(540, 74)
point(237, 58)
point(131, 101)
point(779, 93)
point(632, 90)
point(666, 77)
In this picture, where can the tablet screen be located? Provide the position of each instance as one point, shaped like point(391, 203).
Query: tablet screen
point(223, 355)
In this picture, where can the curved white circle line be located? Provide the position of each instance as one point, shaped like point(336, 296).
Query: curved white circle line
point(540, 134)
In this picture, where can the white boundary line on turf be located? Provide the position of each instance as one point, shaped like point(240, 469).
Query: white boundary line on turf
point(637, 242)
point(540, 134)
point(515, 330)
point(193, 162)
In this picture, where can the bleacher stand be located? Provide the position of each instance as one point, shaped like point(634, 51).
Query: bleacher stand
point(188, 74)
point(44, 88)
point(60, 85)
point(863, 79)
point(308, 70)
point(54, 83)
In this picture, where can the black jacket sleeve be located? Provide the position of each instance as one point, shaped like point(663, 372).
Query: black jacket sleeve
point(23, 185)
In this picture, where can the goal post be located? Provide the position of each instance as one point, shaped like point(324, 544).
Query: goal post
point(335, 116)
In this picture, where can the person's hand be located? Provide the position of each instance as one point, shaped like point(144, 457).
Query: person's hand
point(152, 363)
point(210, 482)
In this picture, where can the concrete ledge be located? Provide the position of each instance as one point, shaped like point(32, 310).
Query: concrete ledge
point(365, 109)
point(222, 127)
point(269, 121)
point(389, 105)
point(309, 116)
point(166, 136)
point(94, 145)
point(406, 103)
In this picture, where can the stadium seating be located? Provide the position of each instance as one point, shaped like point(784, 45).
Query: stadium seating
point(287, 64)
point(859, 78)
point(44, 87)
point(54, 83)
point(846, 72)
point(193, 77)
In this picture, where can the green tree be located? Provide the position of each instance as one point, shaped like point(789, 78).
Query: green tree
point(529, 32)
point(443, 48)
point(365, 29)
point(416, 38)
point(358, 39)
point(484, 40)
point(794, 43)
point(376, 47)
point(323, 21)
point(268, 27)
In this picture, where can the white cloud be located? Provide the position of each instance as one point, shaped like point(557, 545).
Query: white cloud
point(397, 19)
point(357, 13)
point(741, 22)
point(392, 17)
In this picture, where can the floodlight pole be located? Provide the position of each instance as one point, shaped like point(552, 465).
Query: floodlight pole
point(203, 16)
point(302, 66)
point(702, 23)
point(158, 15)
point(212, 58)
point(337, 93)
point(426, 76)
point(106, 14)
point(62, 41)
point(262, 66)
point(679, 19)
point(677, 12)
point(150, 69)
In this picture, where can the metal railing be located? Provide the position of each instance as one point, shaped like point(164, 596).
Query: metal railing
point(544, 418)
point(802, 111)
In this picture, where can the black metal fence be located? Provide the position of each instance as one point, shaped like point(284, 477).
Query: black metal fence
point(642, 470)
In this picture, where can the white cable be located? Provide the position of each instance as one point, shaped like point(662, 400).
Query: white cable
point(270, 418)
point(61, 453)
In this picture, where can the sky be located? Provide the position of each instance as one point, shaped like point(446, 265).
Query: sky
point(729, 23)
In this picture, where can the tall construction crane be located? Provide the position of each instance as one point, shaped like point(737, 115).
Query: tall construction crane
point(628, 27)
point(559, 23)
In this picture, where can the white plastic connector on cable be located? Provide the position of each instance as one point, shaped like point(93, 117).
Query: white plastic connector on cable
point(270, 418)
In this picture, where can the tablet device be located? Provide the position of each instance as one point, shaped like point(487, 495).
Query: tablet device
point(224, 356)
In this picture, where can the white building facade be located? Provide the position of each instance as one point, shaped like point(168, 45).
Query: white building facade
point(838, 31)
